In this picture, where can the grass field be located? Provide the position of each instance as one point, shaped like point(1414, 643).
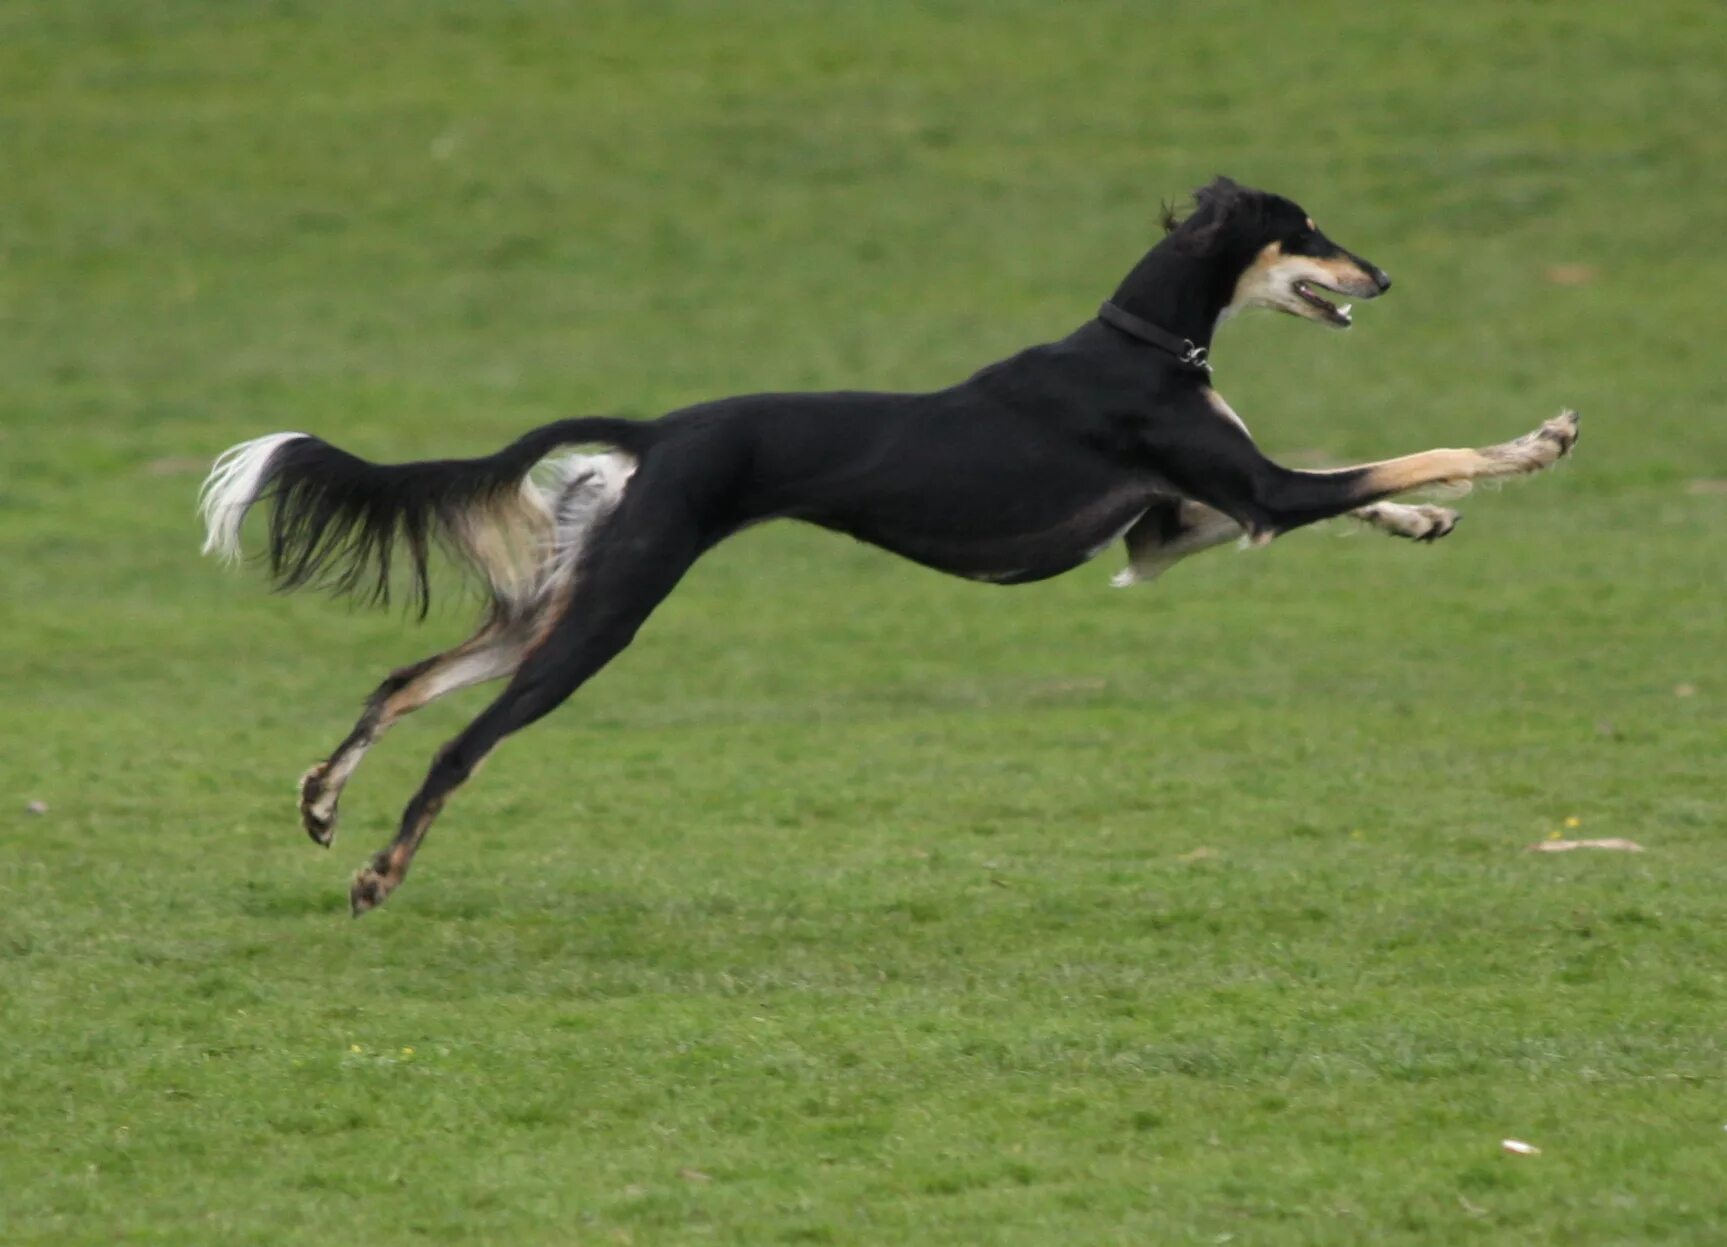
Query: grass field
point(855, 905)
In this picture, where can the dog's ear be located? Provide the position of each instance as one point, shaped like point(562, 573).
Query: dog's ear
point(1220, 189)
point(1214, 206)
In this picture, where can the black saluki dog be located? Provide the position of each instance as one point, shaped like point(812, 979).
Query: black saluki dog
point(1025, 470)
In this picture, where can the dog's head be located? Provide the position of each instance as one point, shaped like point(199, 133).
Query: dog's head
point(1281, 259)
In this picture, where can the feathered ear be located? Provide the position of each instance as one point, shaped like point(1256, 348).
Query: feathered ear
point(1220, 192)
point(1213, 206)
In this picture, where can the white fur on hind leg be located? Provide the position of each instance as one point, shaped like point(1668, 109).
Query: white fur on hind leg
point(578, 492)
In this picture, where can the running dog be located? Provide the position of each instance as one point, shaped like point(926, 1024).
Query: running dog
point(1029, 468)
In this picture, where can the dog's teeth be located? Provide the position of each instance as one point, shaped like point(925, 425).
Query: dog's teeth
point(1345, 309)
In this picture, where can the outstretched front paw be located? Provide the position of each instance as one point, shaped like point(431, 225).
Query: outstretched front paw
point(1564, 426)
point(1560, 433)
point(317, 811)
point(1543, 448)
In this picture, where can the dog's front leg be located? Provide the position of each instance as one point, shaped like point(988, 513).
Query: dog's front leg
point(1174, 529)
point(1218, 464)
point(1297, 498)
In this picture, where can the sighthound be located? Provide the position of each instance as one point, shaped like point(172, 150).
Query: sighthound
point(1029, 468)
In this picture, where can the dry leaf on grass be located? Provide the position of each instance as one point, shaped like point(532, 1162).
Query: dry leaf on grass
point(1517, 1147)
point(1565, 846)
point(1570, 274)
point(1706, 486)
point(1196, 855)
point(695, 1175)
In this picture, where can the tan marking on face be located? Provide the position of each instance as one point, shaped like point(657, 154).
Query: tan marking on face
point(1345, 273)
point(1255, 285)
point(1311, 225)
point(1269, 281)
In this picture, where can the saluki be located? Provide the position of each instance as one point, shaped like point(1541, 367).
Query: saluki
point(1029, 468)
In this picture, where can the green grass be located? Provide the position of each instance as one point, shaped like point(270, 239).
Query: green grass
point(855, 905)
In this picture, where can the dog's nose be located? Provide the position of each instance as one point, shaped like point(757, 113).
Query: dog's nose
point(1382, 279)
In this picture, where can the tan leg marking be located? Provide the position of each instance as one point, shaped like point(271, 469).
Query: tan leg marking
point(490, 654)
point(1530, 453)
point(374, 882)
point(384, 873)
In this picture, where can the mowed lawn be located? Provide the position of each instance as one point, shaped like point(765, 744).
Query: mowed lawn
point(856, 905)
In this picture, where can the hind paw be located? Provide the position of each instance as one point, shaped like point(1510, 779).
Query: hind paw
point(372, 885)
point(317, 812)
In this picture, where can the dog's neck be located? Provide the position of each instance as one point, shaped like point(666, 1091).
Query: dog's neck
point(1176, 290)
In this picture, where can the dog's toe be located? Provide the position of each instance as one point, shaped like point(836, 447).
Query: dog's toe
point(1563, 430)
point(1434, 523)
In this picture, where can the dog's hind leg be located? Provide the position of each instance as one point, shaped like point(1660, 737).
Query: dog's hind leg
point(490, 654)
point(1167, 533)
point(637, 558)
point(525, 571)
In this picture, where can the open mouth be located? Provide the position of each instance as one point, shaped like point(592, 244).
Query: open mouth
point(1308, 293)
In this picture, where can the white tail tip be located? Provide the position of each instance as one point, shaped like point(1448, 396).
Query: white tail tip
point(231, 489)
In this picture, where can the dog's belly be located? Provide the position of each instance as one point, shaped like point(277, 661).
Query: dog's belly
point(1000, 495)
point(1022, 557)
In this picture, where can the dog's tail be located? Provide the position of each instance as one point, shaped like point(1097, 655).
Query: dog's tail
point(336, 520)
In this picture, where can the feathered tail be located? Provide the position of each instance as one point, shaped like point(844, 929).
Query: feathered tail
point(336, 520)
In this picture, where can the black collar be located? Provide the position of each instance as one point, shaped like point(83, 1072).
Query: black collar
point(1186, 353)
